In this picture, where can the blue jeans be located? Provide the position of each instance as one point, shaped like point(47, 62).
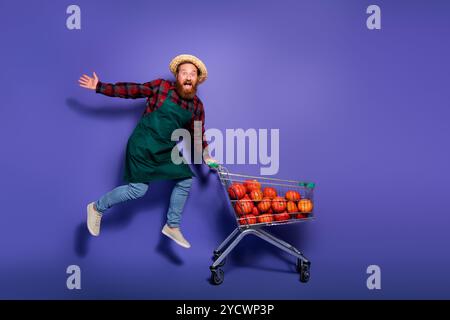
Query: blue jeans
point(137, 190)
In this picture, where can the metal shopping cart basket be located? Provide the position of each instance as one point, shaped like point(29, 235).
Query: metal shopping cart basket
point(259, 202)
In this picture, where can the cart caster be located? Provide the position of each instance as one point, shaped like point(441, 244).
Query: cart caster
point(304, 269)
point(216, 256)
point(217, 276)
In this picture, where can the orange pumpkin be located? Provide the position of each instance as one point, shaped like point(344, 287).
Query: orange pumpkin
point(270, 210)
point(256, 195)
point(269, 192)
point(305, 206)
point(264, 205)
point(278, 204)
point(251, 185)
point(291, 206)
point(236, 191)
point(247, 199)
point(292, 195)
point(265, 218)
point(243, 207)
point(247, 219)
point(281, 216)
point(255, 211)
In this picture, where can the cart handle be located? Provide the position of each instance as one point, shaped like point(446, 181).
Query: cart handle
point(221, 169)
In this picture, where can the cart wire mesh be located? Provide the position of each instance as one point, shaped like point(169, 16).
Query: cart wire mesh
point(261, 201)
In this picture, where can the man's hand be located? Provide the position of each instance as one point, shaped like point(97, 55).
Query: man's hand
point(88, 82)
point(211, 162)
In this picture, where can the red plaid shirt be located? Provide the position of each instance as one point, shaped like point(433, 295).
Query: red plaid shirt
point(156, 92)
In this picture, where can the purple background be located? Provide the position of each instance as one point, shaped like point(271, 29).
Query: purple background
point(363, 113)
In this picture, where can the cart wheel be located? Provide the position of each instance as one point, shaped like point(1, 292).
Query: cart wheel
point(300, 264)
point(217, 276)
point(216, 256)
point(304, 269)
point(304, 276)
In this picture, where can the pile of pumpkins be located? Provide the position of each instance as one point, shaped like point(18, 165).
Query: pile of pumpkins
point(253, 204)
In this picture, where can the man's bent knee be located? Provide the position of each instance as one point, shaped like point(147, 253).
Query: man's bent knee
point(138, 190)
point(185, 183)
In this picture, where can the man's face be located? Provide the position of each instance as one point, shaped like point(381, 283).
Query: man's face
point(187, 80)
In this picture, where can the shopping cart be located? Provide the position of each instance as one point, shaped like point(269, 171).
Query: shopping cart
point(299, 209)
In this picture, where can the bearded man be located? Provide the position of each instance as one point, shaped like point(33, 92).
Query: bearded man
point(170, 106)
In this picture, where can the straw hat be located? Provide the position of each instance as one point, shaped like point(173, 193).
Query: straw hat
point(183, 58)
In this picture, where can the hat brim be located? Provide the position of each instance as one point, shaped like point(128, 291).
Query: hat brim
point(187, 58)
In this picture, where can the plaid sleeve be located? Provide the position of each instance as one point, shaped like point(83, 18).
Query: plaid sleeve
point(199, 115)
point(128, 90)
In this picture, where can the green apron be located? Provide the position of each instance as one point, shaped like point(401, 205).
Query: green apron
point(149, 147)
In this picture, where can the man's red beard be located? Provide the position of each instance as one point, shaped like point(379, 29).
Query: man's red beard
point(186, 92)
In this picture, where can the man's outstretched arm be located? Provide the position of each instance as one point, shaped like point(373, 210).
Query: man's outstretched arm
point(127, 90)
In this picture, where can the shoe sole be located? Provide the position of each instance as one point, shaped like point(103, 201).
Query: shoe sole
point(176, 241)
point(87, 220)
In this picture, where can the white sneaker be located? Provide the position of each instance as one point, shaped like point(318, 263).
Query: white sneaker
point(94, 218)
point(176, 235)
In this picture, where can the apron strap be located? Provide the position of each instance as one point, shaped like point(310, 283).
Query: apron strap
point(169, 93)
